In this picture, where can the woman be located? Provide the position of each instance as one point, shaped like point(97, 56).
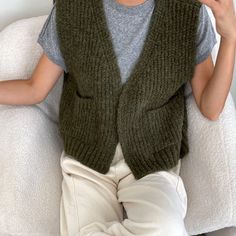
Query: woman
point(92, 202)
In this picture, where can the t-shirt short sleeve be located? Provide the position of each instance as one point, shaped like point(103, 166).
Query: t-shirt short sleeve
point(48, 39)
point(206, 36)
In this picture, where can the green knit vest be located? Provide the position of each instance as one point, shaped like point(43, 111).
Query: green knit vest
point(146, 114)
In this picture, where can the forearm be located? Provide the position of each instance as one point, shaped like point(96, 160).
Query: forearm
point(216, 91)
point(17, 92)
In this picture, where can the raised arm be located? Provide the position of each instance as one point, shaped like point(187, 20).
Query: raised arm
point(33, 90)
point(211, 84)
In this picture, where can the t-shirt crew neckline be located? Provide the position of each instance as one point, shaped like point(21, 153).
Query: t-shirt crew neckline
point(131, 10)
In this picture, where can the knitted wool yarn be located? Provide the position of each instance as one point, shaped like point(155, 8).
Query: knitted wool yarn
point(146, 114)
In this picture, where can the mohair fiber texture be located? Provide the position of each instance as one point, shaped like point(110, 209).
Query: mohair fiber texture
point(146, 114)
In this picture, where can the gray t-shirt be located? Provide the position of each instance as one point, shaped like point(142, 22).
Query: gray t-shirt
point(128, 27)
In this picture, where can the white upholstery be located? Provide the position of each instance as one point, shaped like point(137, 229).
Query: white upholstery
point(208, 170)
point(30, 148)
point(30, 145)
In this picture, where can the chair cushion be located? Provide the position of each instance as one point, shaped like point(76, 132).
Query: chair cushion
point(30, 145)
point(208, 170)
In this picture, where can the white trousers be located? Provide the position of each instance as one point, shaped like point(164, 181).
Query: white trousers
point(115, 203)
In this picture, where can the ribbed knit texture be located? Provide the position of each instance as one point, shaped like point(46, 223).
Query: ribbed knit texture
point(146, 114)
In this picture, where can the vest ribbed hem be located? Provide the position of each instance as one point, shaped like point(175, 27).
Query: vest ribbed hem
point(90, 155)
point(164, 159)
point(96, 158)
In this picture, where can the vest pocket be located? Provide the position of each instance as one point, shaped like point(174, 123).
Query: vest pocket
point(83, 99)
point(78, 118)
point(165, 123)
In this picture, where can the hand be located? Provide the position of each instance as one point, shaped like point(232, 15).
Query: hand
point(224, 13)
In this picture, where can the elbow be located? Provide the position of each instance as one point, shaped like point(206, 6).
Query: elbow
point(211, 117)
point(36, 95)
point(38, 100)
point(39, 97)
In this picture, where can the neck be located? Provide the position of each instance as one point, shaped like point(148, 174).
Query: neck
point(130, 3)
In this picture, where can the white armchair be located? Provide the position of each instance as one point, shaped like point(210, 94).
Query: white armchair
point(30, 149)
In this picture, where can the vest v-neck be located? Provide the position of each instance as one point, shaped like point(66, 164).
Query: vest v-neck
point(152, 39)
